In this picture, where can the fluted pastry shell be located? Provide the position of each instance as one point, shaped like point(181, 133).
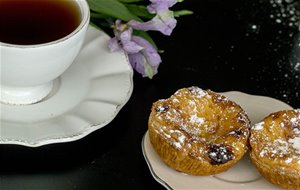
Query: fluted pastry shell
point(275, 148)
point(198, 132)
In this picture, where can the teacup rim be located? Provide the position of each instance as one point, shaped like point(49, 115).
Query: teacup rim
point(85, 11)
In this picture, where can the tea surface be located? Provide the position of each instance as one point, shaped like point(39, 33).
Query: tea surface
point(27, 22)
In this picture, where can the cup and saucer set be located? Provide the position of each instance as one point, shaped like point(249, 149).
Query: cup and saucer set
point(62, 90)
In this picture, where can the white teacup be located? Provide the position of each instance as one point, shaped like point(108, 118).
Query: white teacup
point(27, 71)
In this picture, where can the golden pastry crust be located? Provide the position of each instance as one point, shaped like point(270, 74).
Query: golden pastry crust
point(275, 148)
point(198, 132)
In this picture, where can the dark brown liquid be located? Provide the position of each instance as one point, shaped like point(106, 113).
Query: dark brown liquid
point(27, 22)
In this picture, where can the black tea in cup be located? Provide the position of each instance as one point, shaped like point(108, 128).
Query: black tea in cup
point(27, 22)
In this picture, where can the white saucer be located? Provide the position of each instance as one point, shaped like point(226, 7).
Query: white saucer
point(86, 98)
point(241, 176)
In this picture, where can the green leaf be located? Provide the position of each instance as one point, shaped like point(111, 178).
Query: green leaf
point(100, 24)
point(130, 1)
point(113, 8)
point(140, 11)
point(182, 13)
point(98, 15)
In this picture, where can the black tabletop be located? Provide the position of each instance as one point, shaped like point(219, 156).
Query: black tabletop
point(250, 46)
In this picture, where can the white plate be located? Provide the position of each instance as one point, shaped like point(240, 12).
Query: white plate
point(86, 98)
point(241, 176)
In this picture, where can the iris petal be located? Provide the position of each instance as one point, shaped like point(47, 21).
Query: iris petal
point(113, 44)
point(165, 23)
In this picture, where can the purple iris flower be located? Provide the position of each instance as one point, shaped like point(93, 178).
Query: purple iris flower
point(164, 20)
point(165, 23)
point(123, 39)
point(160, 5)
point(142, 55)
point(147, 60)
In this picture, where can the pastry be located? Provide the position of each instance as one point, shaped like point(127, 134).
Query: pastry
point(198, 132)
point(275, 148)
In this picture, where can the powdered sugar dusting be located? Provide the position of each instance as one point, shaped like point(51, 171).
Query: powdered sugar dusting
point(278, 148)
point(259, 126)
point(193, 131)
point(181, 138)
point(232, 133)
point(177, 144)
point(289, 160)
point(296, 131)
point(197, 91)
point(295, 120)
point(196, 120)
point(295, 143)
